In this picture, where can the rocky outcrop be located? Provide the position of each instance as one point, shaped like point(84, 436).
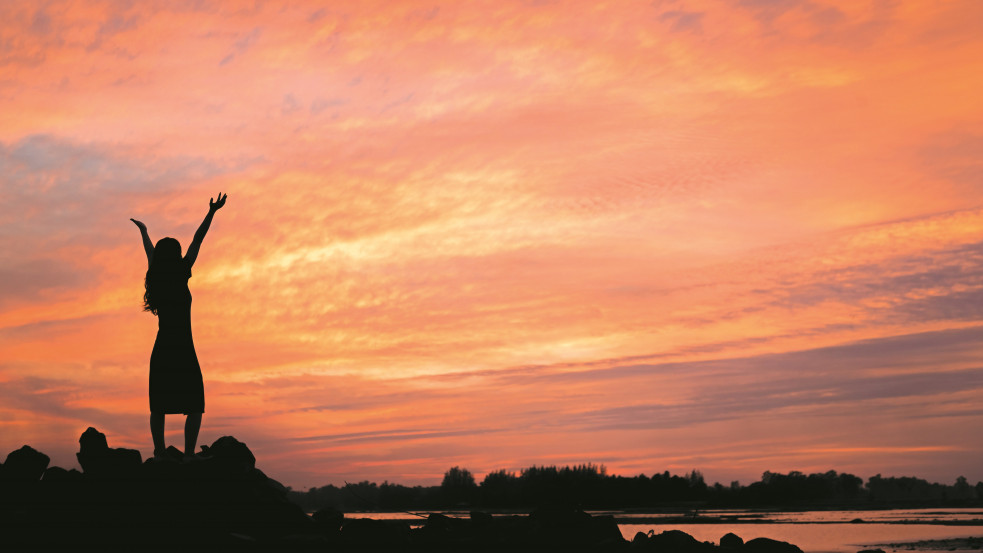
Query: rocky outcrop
point(676, 541)
point(213, 500)
point(731, 540)
point(98, 460)
point(24, 465)
point(768, 545)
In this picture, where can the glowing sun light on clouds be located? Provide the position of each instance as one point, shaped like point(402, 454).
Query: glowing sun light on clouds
point(499, 234)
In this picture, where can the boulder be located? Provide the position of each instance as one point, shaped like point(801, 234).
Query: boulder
point(603, 529)
point(562, 526)
point(442, 524)
point(366, 532)
point(211, 503)
point(329, 519)
point(768, 545)
point(97, 459)
point(510, 532)
point(441, 529)
point(560, 518)
point(58, 474)
point(231, 453)
point(25, 465)
point(481, 519)
point(731, 540)
point(675, 541)
point(92, 442)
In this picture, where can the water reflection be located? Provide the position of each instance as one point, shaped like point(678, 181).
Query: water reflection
point(812, 531)
point(814, 538)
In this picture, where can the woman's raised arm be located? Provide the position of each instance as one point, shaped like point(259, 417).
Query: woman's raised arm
point(213, 206)
point(148, 246)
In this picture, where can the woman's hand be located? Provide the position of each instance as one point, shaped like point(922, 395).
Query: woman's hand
point(215, 205)
point(141, 226)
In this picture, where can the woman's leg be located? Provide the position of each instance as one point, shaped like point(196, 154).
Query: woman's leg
point(191, 427)
point(157, 431)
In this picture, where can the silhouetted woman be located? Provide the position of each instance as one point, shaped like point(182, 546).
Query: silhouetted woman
point(175, 376)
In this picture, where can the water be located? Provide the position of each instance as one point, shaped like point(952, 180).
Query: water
point(812, 531)
point(818, 531)
point(814, 538)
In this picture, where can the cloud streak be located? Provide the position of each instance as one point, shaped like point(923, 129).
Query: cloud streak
point(709, 235)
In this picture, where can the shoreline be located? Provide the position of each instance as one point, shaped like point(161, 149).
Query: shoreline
point(620, 518)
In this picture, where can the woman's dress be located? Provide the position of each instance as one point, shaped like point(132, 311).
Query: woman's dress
point(175, 376)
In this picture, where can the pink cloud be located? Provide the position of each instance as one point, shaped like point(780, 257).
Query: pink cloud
point(568, 220)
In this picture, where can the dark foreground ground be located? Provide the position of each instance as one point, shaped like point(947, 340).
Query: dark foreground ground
point(219, 501)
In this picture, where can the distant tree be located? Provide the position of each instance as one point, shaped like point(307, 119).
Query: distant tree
point(457, 477)
point(697, 486)
point(589, 486)
point(904, 489)
point(500, 488)
point(458, 486)
point(363, 496)
point(961, 490)
point(850, 486)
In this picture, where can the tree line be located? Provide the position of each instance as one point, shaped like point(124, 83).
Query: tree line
point(591, 487)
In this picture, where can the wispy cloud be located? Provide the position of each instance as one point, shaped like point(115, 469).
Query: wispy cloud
point(648, 234)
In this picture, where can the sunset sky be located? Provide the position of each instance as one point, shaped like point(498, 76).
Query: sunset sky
point(732, 236)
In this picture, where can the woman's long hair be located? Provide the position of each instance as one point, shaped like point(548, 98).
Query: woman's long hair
point(166, 271)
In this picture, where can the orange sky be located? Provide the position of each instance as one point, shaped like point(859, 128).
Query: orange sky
point(730, 236)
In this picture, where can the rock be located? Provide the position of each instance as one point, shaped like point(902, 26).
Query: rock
point(329, 519)
point(58, 474)
point(232, 453)
point(484, 527)
point(481, 519)
point(767, 545)
point(437, 522)
point(215, 503)
point(560, 517)
point(676, 541)
point(603, 529)
point(731, 540)
point(366, 532)
point(573, 527)
point(92, 442)
point(25, 465)
point(97, 459)
point(441, 529)
point(510, 532)
point(172, 454)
